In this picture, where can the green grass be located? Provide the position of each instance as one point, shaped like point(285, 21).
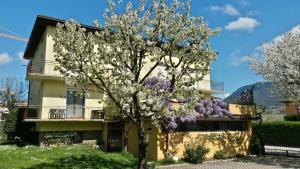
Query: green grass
point(69, 157)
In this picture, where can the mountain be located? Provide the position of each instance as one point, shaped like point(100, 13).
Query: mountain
point(261, 94)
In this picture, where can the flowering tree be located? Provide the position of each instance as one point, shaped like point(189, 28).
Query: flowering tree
point(281, 66)
point(153, 38)
point(12, 91)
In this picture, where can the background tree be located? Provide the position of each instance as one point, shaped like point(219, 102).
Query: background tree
point(12, 91)
point(142, 41)
point(281, 66)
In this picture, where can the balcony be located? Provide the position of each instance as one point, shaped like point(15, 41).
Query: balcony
point(43, 69)
point(50, 113)
point(210, 86)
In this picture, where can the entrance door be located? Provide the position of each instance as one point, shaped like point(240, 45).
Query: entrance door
point(75, 105)
point(115, 137)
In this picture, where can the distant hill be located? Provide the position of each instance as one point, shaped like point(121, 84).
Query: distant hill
point(261, 93)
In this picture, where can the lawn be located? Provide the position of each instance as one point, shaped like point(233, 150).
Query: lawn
point(69, 157)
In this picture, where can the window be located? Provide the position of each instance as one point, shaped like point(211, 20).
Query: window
point(75, 104)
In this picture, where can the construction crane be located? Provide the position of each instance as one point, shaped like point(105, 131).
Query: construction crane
point(13, 37)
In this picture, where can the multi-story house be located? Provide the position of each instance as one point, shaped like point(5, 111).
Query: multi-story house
point(54, 106)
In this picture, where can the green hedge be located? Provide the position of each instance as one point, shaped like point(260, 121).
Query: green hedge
point(279, 133)
point(292, 118)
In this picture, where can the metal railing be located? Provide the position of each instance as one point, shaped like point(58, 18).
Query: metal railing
point(210, 85)
point(66, 113)
point(42, 67)
point(97, 114)
point(63, 112)
point(217, 86)
point(30, 113)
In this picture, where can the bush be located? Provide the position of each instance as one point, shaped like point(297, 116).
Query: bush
point(219, 155)
point(15, 128)
point(55, 138)
point(167, 160)
point(2, 134)
point(195, 155)
point(291, 118)
point(255, 145)
point(10, 123)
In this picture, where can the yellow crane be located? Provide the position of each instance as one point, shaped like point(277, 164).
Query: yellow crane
point(13, 37)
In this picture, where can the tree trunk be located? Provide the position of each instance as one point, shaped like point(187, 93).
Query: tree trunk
point(143, 147)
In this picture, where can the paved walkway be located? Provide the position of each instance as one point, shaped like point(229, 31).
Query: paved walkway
point(267, 162)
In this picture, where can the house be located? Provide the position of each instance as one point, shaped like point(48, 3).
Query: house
point(291, 109)
point(54, 107)
point(3, 112)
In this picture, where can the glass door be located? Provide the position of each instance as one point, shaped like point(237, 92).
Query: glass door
point(75, 104)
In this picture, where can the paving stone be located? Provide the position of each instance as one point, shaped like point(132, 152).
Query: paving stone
point(267, 162)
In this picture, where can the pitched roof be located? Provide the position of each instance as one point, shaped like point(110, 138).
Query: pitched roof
point(39, 27)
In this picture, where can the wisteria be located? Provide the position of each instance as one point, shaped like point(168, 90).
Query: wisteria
point(157, 85)
point(205, 108)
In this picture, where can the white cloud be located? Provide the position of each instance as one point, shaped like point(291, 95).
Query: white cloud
point(242, 24)
point(236, 59)
point(20, 56)
point(240, 60)
point(227, 9)
point(5, 58)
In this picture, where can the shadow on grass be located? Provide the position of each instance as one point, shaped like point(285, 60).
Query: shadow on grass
point(85, 162)
point(7, 143)
point(284, 162)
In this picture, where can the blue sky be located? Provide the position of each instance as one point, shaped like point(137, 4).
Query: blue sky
point(246, 24)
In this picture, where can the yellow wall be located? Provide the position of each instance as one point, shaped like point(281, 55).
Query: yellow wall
point(232, 143)
point(242, 109)
point(133, 142)
point(54, 96)
point(68, 126)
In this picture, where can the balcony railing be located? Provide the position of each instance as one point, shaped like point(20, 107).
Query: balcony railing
point(61, 112)
point(210, 85)
point(30, 113)
point(42, 68)
point(97, 114)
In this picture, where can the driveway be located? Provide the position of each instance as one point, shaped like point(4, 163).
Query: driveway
point(267, 162)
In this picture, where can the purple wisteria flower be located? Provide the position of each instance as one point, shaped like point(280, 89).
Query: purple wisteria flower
point(213, 108)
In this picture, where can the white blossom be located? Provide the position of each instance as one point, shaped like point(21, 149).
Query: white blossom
point(281, 66)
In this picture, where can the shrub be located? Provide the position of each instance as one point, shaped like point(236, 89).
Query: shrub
point(195, 155)
point(219, 155)
point(167, 160)
point(15, 128)
point(291, 118)
point(10, 123)
point(255, 145)
point(55, 138)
